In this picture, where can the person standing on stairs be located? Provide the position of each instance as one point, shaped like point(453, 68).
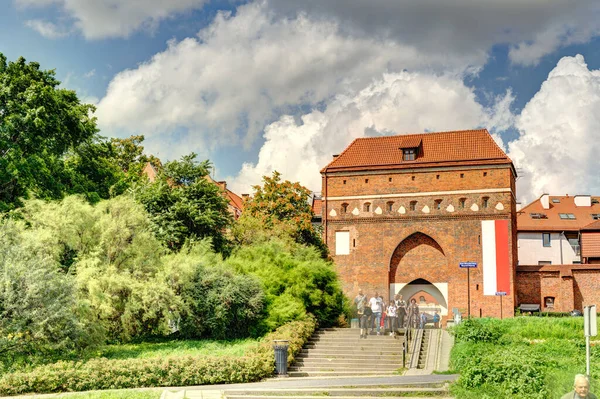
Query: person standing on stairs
point(376, 304)
point(401, 310)
point(392, 316)
point(360, 302)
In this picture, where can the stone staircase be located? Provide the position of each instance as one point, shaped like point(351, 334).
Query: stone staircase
point(422, 363)
point(341, 352)
point(421, 391)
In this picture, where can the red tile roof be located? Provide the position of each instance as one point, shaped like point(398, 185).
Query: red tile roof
point(595, 225)
point(235, 200)
point(552, 220)
point(317, 206)
point(465, 147)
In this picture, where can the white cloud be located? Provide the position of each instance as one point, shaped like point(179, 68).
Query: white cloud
point(46, 28)
point(557, 151)
point(398, 103)
point(245, 70)
point(90, 74)
point(98, 19)
point(533, 28)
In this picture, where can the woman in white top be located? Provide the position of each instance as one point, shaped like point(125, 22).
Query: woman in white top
point(392, 316)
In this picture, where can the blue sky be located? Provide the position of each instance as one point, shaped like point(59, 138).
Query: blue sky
point(281, 84)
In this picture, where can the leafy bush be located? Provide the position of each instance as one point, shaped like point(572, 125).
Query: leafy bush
point(477, 330)
point(38, 307)
point(161, 371)
point(296, 281)
point(222, 304)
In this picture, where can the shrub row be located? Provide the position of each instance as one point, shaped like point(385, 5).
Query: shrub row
point(95, 374)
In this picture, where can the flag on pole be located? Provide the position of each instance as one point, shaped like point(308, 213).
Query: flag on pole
point(494, 247)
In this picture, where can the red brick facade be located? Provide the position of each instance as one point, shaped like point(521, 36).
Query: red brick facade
point(566, 287)
point(418, 223)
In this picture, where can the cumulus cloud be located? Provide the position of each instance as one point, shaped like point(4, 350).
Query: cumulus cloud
point(557, 150)
point(532, 28)
point(46, 29)
point(398, 103)
point(243, 71)
point(98, 19)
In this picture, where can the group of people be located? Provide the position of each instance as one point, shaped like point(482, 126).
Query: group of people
point(373, 314)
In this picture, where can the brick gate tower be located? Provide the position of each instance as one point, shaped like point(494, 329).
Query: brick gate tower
point(401, 212)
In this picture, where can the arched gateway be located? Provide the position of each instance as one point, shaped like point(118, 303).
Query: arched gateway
point(417, 270)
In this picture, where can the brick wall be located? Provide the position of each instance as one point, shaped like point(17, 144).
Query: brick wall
point(387, 246)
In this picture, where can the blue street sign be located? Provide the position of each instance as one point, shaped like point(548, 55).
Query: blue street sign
point(501, 293)
point(467, 265)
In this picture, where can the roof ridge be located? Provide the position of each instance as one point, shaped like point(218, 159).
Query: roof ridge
point(424, 134)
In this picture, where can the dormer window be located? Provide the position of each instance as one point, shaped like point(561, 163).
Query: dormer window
point(409, 154)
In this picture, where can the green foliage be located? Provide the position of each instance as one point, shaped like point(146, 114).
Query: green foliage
point(478, 330)
point(184, 205)
point(296, 282)
point(222, 304)
point(158, 371)
point(39, 123)
point(281, 206)
point(38, 307)
point(531, 357)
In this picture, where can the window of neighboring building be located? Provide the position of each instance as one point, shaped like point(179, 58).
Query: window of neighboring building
point(544, 262)
point(546, 239)
point(549, 301)
point(569, 216)
point(461, 202)
point(555, 200)
point(438, 204)
point(409, 154)
point(413, 205)
point(484, 202)
point(390, 206)
point(344, 208)
point(367, 207)
point(342, 243)
point(573, 239)
point(596, 216)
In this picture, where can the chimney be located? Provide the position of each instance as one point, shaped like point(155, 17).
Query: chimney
point(244, 196)
point(545, 201)
point(583, 200)
point(335, 156)
point(519, 206)
point(222, 184)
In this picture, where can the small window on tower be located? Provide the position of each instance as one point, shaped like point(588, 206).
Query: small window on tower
point(413, 205)
point(367, 207)
point(344, 208)
point(390, 206)
point(438, 204)
point(549, 301)
point(390, 179)
point(484, 202)
point(461, 202)
point(409, 154)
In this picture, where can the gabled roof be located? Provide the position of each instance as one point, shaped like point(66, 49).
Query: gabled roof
point(235, 200)
point(317, 206)
point(595, 225)
point(552, 221)
point(457, 148)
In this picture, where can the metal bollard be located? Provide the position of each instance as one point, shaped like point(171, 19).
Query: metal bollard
point(281, 353)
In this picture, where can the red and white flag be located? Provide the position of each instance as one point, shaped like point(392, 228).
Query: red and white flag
point(494, 247)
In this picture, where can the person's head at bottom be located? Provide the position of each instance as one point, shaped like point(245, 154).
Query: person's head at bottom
point(581, 386)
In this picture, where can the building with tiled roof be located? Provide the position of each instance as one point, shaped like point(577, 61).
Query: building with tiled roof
point(550, 228)
point(400, 213)
point(559, 252)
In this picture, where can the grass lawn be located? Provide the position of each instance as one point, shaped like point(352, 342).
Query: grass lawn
point(175, 348)
point(522, 357)
point(114, 394)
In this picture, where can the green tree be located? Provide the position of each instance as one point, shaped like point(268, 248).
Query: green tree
point(39, 312)
point(185, 205)
point(296, 281)
point(281, 207)
point(39, 123)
